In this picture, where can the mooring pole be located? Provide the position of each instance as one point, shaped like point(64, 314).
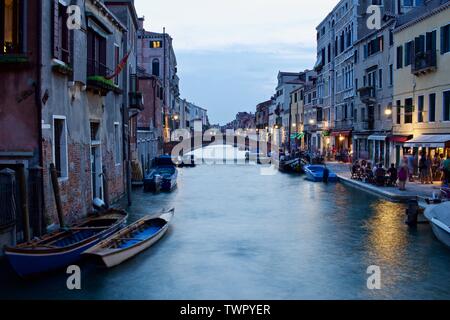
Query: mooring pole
point(105, 186)
point(57, 194)
point(24, 203)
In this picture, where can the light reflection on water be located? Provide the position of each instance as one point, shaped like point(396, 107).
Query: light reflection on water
point(241, 235)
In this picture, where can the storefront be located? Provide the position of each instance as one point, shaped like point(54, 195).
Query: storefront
point(378, 150)
point(396, 144)
point(431, 144)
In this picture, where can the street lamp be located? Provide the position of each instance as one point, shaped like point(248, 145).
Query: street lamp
point(311, 121)
point(388, 112)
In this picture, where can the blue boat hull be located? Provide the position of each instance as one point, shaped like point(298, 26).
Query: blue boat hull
point(29, 262)
point(26, 264)
point(315, 175)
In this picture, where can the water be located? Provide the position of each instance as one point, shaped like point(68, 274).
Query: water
point(241, 235)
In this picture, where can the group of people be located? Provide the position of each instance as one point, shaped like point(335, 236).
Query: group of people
point(427, 168)
point(377, 174)
point(424, 167)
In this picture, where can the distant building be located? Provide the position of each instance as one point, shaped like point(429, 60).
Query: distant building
point(157, 57)
point(280, 110)
point(262, 115)
point(149, 121)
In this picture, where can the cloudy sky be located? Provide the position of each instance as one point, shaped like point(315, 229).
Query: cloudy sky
point(230, 51)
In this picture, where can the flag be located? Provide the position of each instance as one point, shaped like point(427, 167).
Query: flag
point(119, 67)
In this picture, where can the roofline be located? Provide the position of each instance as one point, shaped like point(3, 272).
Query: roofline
point(424, 16)
point(99, 4)
point(130, 5)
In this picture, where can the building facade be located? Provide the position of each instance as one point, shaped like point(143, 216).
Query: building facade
point(84, 117)
point(421, 110)
point(20, 122)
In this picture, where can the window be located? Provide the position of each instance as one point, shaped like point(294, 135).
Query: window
point(391, 37)
point(155, 67)
point(409, 110)
point(447, 106)
point(117, 143)
point(408, 53)
point(431, 41)
point(116, 62)
point(432, 108)
point(155, 44)
point(96, 58)
point(400, 57)
point(419, 45)
point(445, 39)
point(380, 78)
point(60, 146)
point(9, 26)
point(399, 112)
point(420, 105)
point(391, 74)
point(375, 46)
point(61, 35)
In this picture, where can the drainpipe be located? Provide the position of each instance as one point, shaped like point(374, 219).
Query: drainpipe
point(38, 94)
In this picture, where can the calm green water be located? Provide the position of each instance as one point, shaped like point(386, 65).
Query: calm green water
point(241, 235)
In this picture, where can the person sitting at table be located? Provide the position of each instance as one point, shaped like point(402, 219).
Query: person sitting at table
point(393, 175)
point(380, 175)
point(369, 173)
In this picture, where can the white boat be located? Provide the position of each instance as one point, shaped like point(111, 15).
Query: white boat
point(131, 240)
point(439, 216)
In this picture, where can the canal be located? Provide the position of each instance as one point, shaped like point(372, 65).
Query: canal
point(238, 234)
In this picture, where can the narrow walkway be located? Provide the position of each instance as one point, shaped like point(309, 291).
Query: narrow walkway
point(413, 190)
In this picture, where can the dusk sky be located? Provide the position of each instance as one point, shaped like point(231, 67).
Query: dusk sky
point(229, 52)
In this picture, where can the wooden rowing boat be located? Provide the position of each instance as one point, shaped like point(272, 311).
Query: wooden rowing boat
point(64, 247)
point(131, 240)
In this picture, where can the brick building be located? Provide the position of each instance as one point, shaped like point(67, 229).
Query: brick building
point(20, 120)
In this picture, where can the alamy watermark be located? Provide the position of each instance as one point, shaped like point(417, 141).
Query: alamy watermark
point(374, 279)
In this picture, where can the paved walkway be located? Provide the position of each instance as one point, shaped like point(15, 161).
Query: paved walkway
point(413, 190)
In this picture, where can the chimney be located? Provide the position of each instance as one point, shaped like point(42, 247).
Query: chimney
point(141, 23)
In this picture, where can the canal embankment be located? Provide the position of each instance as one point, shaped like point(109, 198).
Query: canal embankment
point(413, 191)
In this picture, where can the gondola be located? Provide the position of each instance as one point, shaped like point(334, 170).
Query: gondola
point(64, 247)
point(131, 240)
point(163, 177)
point(292, 165)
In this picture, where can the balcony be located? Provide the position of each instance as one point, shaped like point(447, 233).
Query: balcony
point(365, 125)
point(367, 95)
point(136, 98)
point(424, 62)
point(136, 101)
point(96, 78)
point(345, 124)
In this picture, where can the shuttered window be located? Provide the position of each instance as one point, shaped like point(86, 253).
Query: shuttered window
point(445, 39)
point(61, 34)
point(400, 57)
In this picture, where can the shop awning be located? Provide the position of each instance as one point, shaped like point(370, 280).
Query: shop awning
point(429, 141)
point(399, 139)
point(341, 133)
point(377, 137)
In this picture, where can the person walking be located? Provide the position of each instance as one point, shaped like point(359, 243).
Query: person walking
point(429, 164)
point(403, 174)
point(411, 167)
point(446, 168)
point(423, 168)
